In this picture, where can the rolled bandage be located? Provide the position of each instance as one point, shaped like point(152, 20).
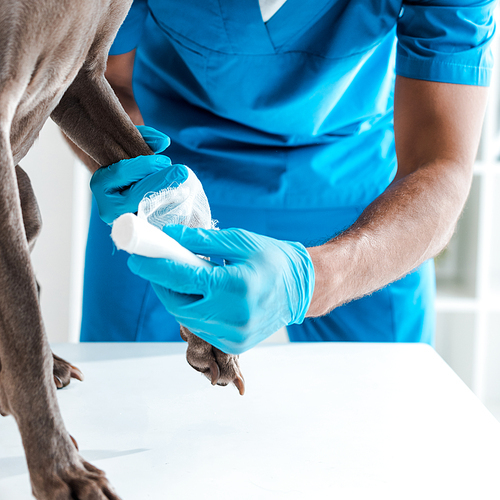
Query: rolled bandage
point(137, 236)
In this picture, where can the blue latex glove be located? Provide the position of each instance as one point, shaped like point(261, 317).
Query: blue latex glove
point(265, 284)
point(120, 187)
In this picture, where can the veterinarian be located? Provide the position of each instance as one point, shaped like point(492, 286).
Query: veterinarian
point(347, 127)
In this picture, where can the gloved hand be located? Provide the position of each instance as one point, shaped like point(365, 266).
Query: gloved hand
point(119, 188)
point(265, 284)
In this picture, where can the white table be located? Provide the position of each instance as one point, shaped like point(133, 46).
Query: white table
point(339, 421)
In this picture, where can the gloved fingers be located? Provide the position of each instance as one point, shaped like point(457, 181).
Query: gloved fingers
point(200, 316)
point(166, 178)
point(196, 327)
point(124, 173)
point(211, 339)
point(224, 344)
point(156, 140)
point(175, 302)
point(169, 274)
point(186, 310)
point(230, 244)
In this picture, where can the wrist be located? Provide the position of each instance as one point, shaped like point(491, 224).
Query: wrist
point(332, 268)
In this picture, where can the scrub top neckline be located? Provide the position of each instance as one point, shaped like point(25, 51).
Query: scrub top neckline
point(292, 19)
point(247, 31)
point(245, 28)
point(266, 6)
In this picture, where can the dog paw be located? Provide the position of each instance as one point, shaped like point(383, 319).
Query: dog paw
point(220, 368)
point(79, 481)
point(64, 372)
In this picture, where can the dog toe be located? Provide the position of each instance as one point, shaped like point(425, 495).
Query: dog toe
point(64, 372)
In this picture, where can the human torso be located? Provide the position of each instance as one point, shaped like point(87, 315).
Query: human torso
point(295, 112)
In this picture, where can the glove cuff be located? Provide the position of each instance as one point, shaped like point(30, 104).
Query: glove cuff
point(304, 284)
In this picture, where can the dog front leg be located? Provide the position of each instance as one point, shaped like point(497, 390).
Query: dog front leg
point(23, 346)
point(91, 116)
point(27, 390)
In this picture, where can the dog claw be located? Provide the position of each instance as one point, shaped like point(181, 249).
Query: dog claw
point(214, 372)
point(58, 382)
point(74, 442)
point(76, 373)
point(239, 383)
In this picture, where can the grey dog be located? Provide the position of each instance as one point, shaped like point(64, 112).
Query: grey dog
point(52, 62)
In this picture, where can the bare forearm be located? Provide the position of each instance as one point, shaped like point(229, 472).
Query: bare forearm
point(437, 128)
point(128, 102)
point(119, 73)
point(410, 223)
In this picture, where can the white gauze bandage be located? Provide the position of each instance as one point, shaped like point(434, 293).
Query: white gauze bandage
point(184, 204)
point(136, 236)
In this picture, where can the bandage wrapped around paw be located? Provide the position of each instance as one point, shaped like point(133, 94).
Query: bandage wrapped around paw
point(184, 203)
point(180, 203)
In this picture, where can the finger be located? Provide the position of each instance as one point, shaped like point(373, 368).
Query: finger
point(170, 177)
point(198, 328)
point(180, 278)
point(124, 173)
point(203, 318)
point(185, 309)
point(230, 244)
point(178, 304)
point(156, 140)
point(130, 197)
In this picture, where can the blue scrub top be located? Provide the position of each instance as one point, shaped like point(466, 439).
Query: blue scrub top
point(295, 113)
point(288, 124)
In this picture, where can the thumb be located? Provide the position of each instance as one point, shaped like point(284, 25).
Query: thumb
point(156, 140)
point(230, 244)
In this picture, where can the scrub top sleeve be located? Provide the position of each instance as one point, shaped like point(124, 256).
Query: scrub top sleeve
point(446, 41)
point(130, 31)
